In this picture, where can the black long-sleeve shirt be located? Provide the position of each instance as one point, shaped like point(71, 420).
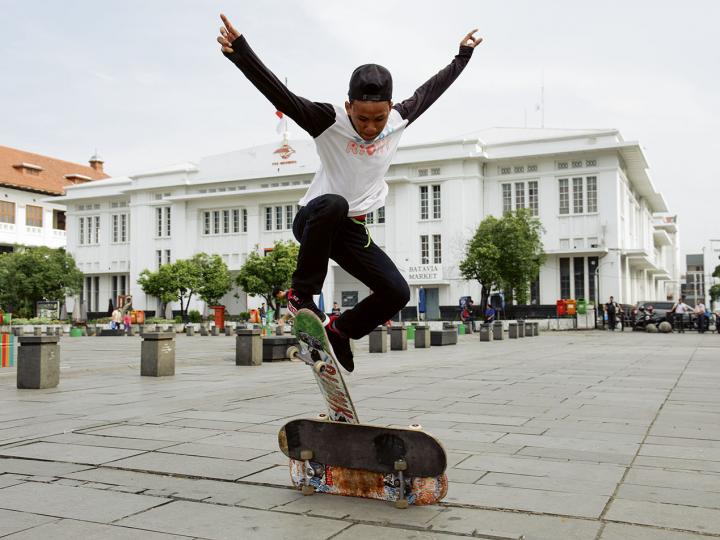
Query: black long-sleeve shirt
point(350, 166)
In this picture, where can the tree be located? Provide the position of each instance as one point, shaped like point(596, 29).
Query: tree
point(715, 292)
point(31, 274)
point(216, 280)
point(505, 254)
point(203, 274)
point(260, 275)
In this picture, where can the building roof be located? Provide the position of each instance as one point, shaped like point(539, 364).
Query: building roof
point(505, 135)
point(42, 174)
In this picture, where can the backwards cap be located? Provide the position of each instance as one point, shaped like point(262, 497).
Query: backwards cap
point(370, 82)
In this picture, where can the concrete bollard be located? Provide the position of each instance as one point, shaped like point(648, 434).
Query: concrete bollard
point(536, 329)
point(157, 354)
point(38, 363)
point(131, 330)
point(521, 329)
point(422, 336)
point(91, 330)
point(37, 330)
point(228, 330)
point(497, 327)
point(59, 331)
point(486, 332)
point(203, 330)
point(189, 330)
point(513, 330)
point(378, 340)
point(468, 327)
point(49, 331)
point(279, 330)
point(215, 331)
point(248, 347)
point(398, 338)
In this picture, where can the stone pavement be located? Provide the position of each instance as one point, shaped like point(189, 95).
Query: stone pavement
point(571, 435)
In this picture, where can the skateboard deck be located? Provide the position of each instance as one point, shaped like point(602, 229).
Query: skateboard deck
point(315, 350)
point(365, 461)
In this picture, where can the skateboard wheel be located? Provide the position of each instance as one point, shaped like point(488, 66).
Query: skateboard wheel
point(308, 490)
point(322, 416)
point(417, 427)
point(319, 367)
point(400, 465)
point(402, 504)
point(292, 352)
point(306, 454)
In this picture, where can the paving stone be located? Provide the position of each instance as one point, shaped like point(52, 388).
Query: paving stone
point(688, 497)
point(161, 433)
point(68, 529)
point(73, 453)
point(74, 502)
point(219, 522)
point(533, 527)
point(215, 451)
point(87, 439)
point(617, 531)
point(11, 522)
point(6, 481)
point(674, 479)
point(26, 466)
point(664, 515)
point(363, 532)
point(223, 469)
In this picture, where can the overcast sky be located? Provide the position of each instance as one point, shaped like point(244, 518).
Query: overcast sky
point(144, 82)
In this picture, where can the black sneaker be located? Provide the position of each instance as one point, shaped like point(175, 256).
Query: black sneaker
point(295, 303)
point(340, 345)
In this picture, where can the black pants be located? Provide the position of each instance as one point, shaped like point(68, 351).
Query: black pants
point(612, 320)
point(680, 322)
point(325, 232)
point(701, 323)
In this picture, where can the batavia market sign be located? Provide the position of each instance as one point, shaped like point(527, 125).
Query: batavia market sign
point(421, 273)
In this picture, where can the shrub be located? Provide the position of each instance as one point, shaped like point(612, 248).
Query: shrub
point(194, 316)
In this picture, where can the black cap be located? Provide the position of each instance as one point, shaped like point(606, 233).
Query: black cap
point(370, 82)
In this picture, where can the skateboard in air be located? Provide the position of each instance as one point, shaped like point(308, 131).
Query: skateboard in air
point(314, 349)
point(405, 466)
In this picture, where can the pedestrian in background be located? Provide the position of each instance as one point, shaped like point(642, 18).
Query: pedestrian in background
point(679, 310)
point(700, 316)
point(612, 308)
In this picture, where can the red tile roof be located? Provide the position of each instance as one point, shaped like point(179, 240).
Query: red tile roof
point(16, 168)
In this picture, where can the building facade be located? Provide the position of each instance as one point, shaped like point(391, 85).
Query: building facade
point(27, 215)
point(606, 231)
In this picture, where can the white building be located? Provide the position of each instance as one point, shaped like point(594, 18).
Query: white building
point(27, 215)
point(605, 232)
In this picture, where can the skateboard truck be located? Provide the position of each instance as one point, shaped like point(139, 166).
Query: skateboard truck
point(307, 455)
point(305, 354)
point(400, 468)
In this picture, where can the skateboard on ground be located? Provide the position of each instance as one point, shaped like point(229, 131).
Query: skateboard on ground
point(314, 349)
point(406, 466)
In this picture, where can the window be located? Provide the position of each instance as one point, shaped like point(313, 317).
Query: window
point(435, 171)
point(592, 268)
point(7, 212)
point(167, 256)
point(436, 202)
point(505, 170)
point(289, 216)
point(577, 164)
point(424, 202)
point(519, 195)
point(532, 168)
point(33, 216)
point(577, 195)
point(533, 198)
point(119, 228)
point(370, 218)
point(81, 228)
point(562, 165)
point(58, 220)
point(206, 222)
point(96, 294)
point(268, 219)
point(244, 220)
point(226, 221)
point(535, 291)
point(422, 172)
point(579, 271)
point(591, 163)
point(381, 215)
point(158, 257)
point(519, 169)
point(278, 218)
point(167, 221)
point(158, 222)
point(564, 277)
point(437, 249)
point(591, 190)
point(507, 198)
point(424, 249)
point(216, 221)
point(235, 220)
point(97, 229)
point(564, 196)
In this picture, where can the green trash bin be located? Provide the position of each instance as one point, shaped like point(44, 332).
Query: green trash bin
point(76, 332)
point(461, 329)
point(411, 333)
point(7, 318)
point(581, 306)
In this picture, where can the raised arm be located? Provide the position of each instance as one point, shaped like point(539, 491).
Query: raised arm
point(433, 88)
point(311, 116)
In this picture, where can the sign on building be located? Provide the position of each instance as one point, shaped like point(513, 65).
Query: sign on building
point(425, 273)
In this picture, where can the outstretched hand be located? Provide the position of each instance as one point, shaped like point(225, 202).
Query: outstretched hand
point(470, 40)
point(228, 34)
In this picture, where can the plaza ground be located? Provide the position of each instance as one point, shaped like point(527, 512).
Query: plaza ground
point(569, 435)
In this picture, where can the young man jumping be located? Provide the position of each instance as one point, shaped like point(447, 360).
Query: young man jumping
point(356, 144)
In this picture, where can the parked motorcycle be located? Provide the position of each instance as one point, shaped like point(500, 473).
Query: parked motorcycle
point(645, 315)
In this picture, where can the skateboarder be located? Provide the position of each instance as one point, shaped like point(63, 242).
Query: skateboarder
point(356, 144)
